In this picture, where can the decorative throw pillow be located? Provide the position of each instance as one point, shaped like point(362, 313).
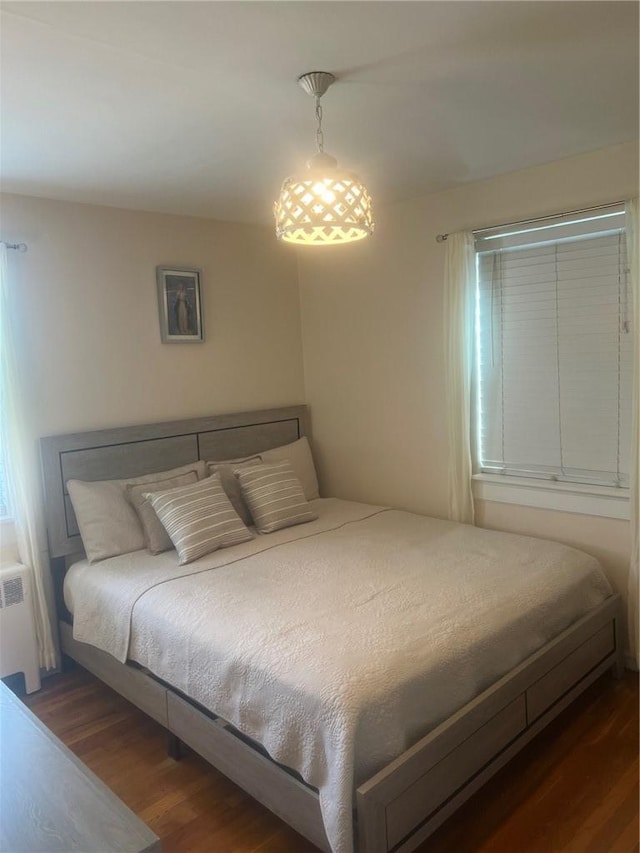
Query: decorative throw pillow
point(199, 518)
point(298, 453)
point(107, 522)
point(230, 483)
point(274, 495)
point(156, 537)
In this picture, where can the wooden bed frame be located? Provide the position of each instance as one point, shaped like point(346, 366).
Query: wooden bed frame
point(399, 807)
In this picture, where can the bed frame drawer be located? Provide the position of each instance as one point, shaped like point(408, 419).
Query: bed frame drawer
point(449, 774)
point(575, 666)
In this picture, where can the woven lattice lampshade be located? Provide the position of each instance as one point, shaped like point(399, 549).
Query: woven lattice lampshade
point(325, 206)
point(323, 209)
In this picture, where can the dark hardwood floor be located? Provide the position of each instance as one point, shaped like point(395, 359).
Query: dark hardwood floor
point(573, 789)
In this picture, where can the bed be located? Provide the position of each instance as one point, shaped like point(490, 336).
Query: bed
point(416, 694)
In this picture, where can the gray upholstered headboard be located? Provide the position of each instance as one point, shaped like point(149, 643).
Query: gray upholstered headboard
point(131, 451)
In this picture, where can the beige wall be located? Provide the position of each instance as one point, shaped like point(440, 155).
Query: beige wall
point(373, 346)
point(87, 314)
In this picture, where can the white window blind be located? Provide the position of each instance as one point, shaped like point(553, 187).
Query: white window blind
point(554, 343)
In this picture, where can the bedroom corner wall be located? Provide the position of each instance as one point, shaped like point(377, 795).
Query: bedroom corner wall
point(373, 346)
point(86, 306)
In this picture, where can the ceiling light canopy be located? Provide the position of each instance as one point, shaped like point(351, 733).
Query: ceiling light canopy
point(326, 205)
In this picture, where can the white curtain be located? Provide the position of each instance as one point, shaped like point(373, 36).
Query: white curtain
point(22, 473)
point(633, 249)
point(459, 312)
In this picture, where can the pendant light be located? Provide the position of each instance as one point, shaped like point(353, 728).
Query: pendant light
point(324, 206)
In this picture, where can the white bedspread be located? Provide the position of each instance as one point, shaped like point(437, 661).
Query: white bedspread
point(337, 644)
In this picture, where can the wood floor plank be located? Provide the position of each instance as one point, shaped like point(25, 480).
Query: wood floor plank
point(574, 789)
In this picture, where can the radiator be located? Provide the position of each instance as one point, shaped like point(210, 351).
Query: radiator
point(18, 644)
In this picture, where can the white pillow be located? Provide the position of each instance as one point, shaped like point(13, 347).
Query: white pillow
point(108, 523)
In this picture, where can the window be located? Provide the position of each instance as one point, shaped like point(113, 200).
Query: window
point(554, 351)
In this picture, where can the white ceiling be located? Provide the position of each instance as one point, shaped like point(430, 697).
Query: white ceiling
point(192, 107)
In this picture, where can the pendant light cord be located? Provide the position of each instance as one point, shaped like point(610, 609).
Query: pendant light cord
point(319, 133)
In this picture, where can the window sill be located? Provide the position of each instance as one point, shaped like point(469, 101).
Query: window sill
point(604, 501)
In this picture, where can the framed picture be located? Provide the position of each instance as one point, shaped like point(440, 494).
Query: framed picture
point(180, 305)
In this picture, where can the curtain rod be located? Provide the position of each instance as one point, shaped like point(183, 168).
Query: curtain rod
point(19, 247)
point(441, 238)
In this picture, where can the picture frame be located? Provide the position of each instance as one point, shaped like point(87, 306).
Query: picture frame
point(180, 305)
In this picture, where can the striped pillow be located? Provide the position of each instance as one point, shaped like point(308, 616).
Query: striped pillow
point(199, 518)
point(274, 496)
point(156, 537)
